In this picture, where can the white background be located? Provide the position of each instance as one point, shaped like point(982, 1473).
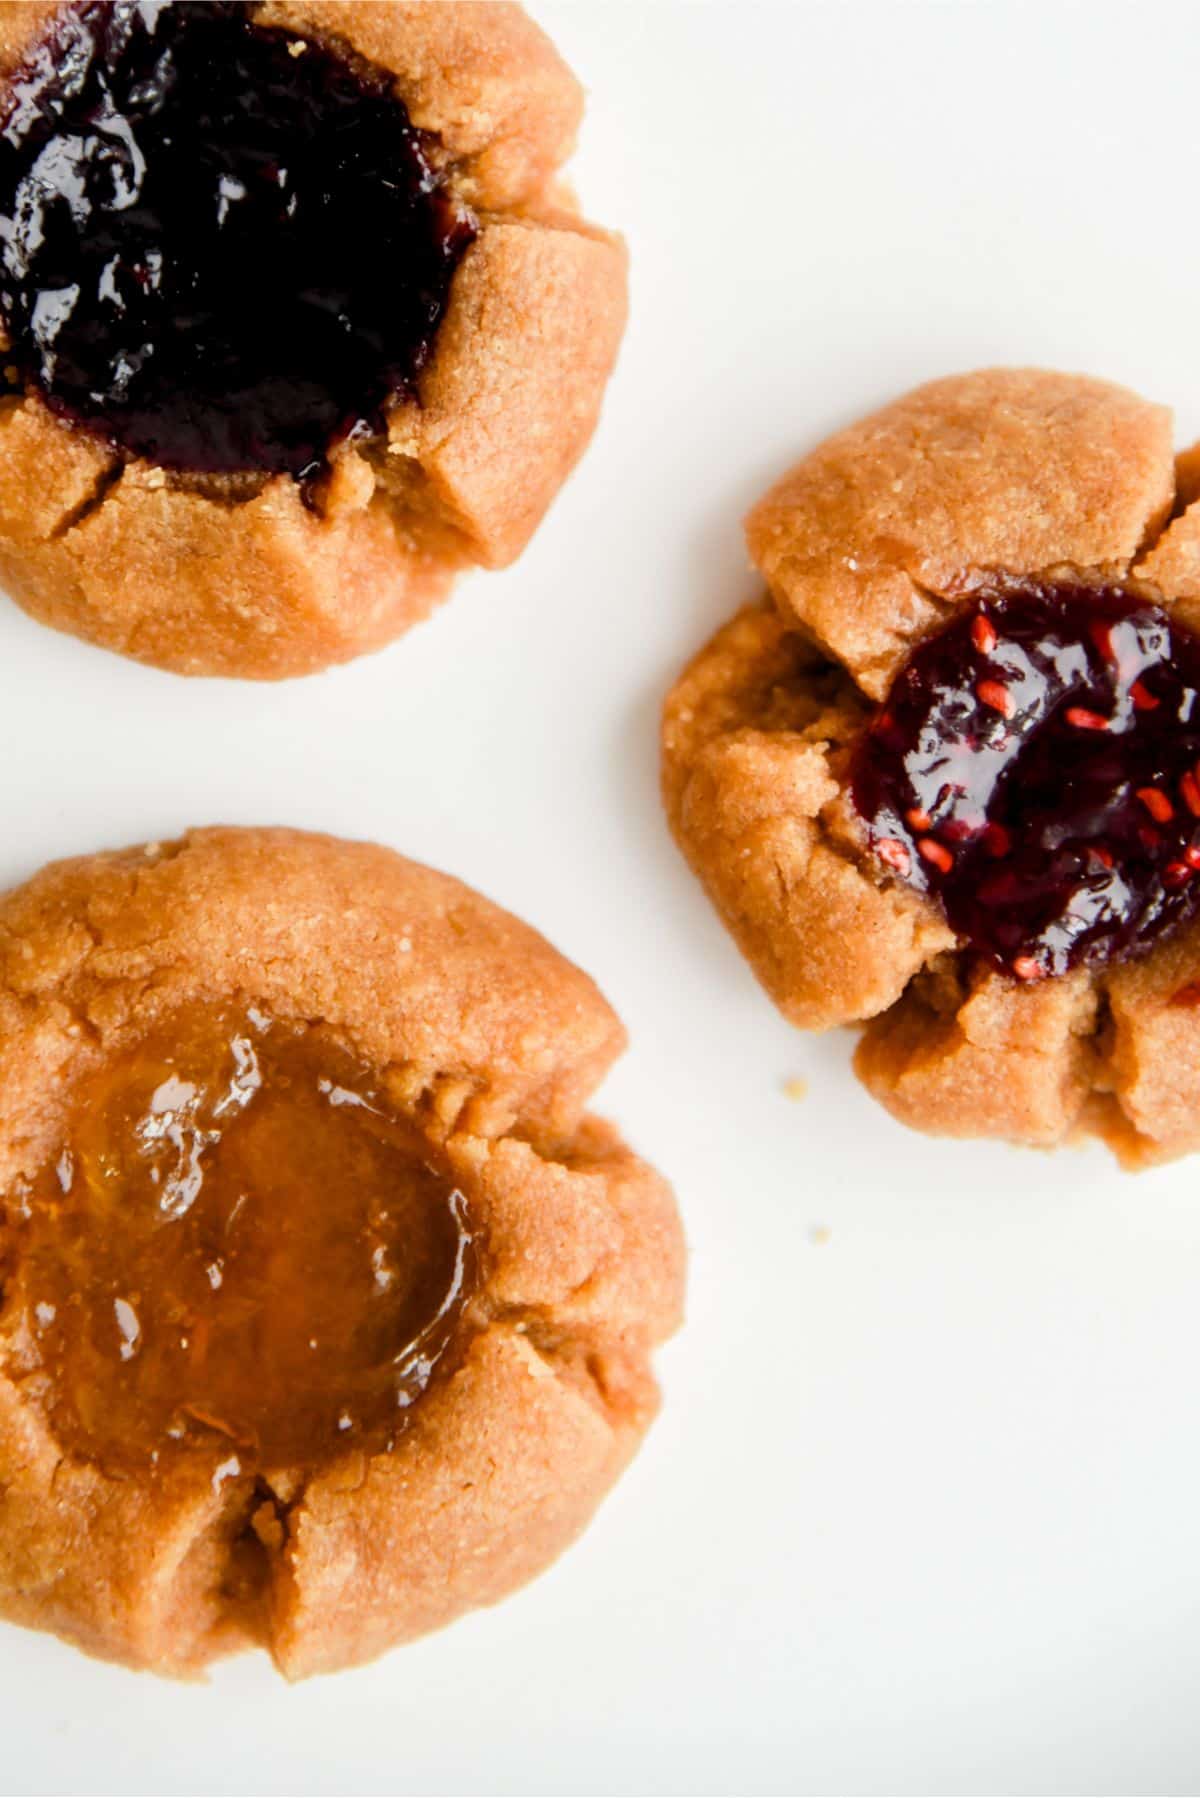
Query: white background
point(922, 1513)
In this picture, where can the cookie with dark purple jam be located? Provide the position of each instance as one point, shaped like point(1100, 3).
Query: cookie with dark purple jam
point(225, 246)
point(296, 321)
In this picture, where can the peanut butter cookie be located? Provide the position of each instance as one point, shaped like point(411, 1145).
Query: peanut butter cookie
point(298, 318)
point(947, 785)
point(325, 1309)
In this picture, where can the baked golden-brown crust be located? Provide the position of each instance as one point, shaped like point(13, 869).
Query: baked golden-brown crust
point(868, 542)
point(868, 545)
point(754, 737)
point(490, 1043)
point(237, 576)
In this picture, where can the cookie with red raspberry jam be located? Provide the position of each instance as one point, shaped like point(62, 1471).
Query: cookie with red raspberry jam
point(946, 784)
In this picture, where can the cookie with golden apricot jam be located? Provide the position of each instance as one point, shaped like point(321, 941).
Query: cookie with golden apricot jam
point(943, 783)
point(297, 317)
point(327, 1308)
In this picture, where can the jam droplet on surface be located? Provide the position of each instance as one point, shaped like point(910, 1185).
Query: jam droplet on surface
point(1036, 768)
point(222, 246)
point(249, 1254)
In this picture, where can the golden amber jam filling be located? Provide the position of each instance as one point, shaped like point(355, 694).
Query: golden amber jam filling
point(237, 1246)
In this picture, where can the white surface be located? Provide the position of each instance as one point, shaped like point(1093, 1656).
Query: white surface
point(921, 1511)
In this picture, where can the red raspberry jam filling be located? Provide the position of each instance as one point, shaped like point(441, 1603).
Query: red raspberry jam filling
point(222, 246)
point(1036, 768)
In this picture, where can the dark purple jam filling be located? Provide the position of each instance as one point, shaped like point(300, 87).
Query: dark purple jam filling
point(1035, 767)
point(222, 246)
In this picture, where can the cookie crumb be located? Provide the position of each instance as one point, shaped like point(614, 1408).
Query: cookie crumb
point(796, 1087)
point(819, 1235)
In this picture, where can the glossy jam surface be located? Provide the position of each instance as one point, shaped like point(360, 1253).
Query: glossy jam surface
point(237, 1247)
point(1036, 766)
point(222, 246)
